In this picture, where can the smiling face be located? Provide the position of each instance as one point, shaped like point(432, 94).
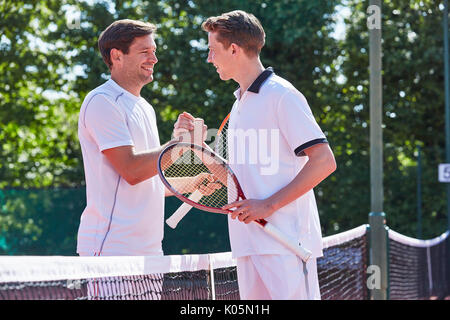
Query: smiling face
point(135, 68)
point(220, 57)
point(140, 60)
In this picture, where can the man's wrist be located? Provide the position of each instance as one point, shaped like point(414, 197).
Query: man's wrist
point(271, 204)
point(173, 140)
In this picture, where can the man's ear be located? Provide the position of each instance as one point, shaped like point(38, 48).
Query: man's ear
point(116, 56)
point(234, 48)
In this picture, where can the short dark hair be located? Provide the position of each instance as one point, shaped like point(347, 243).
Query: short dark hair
point(238, 27)
point(120, 35)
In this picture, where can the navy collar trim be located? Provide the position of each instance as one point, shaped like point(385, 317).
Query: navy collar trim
point(257, 84)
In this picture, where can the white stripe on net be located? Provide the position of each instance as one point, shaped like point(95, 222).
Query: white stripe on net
point(222, 260)
point(344, 236)
point(416, 242)
point(49, 268)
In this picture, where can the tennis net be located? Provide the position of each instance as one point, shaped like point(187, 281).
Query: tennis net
point(342, 269)
point(179, 277)
point(184, 277)
point(418, 269)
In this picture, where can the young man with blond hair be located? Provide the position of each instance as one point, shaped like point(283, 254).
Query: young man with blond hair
point(281, 118)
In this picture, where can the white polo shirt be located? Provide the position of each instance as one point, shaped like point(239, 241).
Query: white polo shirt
point(270, 127)
point(119, 219)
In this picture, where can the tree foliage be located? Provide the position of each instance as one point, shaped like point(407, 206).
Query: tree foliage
point(413, 114)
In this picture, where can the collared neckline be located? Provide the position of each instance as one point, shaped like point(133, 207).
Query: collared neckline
point(256, 85)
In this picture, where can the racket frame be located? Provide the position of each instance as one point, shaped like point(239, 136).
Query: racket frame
point(183, 198)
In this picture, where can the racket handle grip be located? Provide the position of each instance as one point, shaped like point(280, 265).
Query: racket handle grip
point(176, 217)
point(291, 244)
point(199, 135)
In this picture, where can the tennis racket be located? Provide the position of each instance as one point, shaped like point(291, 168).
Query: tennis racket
point(221, 149)
point(221, 143)
point(178, 215)
point(186, 162)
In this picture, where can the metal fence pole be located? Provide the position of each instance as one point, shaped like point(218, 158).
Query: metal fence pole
point(377, 219)
point(447, 102)
point(419, 193)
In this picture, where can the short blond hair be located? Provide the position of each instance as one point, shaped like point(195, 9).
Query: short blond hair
point(238, 27)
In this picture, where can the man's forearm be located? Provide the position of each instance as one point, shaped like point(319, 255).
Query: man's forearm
point(143, 165)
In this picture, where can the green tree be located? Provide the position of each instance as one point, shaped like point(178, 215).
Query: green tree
point(413, 109)
point(38, 145)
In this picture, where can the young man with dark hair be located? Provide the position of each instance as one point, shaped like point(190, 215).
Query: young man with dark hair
point(120, 144)
point(281, 119)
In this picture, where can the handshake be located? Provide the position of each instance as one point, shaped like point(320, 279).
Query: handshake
point(189, 129)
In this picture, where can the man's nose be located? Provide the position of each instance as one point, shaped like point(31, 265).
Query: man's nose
point(209, 59)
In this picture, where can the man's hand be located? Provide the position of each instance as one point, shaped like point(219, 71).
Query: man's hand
point(184, 129)
point(206, 184)
point(184, 124)
point(250, 210)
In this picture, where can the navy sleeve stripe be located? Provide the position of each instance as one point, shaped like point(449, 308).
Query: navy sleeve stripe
point(299, 152)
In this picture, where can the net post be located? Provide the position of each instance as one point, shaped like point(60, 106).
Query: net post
point(419, 193)
point(378, 254)
point(367, 256)
point(447, 267)
point(388, 264)
point(378, 243)
point(211, 279)
point(447, 100)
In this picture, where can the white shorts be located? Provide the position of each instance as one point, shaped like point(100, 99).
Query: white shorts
point(277, 277)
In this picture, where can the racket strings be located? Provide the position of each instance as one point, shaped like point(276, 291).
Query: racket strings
point(187, 168)
point(221, 146)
